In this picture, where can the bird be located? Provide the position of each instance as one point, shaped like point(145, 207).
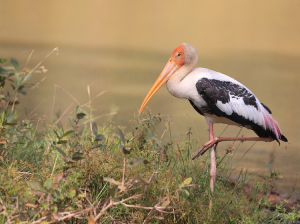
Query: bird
point(216, 96)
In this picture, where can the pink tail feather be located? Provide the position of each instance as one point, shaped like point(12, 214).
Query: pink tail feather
point(271, 124)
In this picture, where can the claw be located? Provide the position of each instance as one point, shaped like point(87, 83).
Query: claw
point(216, 140)
point(206, 146)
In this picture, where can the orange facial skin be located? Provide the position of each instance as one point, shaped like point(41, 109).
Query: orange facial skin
point(175, 62)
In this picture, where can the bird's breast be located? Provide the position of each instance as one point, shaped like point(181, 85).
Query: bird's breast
point(186, 88)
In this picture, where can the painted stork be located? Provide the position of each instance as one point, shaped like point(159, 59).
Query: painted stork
point(218, 97)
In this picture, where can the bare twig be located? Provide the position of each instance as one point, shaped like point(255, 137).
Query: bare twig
point(13, 106)
point(61, 116)
point(35, 109)
point(150, 208)
point(112, 203)
point(63, 89)
point(124, 165)
point(95, 118)
point(55, 49)
point(71, 214)
point(38, 83)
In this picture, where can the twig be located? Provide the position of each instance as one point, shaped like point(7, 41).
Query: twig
point(61, 116)
point(38, 82)
point(35, 109)
point(63, 218)
point(148, 216)
point(134, 137)
point(53, 102)
point(104, 115)
point(13, 106)
point(94, 210)
point(55, 49)
point(124, 163)
point(111, 203)
point(63, 89)
point(149, 208)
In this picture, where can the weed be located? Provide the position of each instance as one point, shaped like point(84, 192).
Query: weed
point(100, 173)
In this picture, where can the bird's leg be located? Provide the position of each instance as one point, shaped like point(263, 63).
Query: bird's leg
point(213, 167)
point(216, 140)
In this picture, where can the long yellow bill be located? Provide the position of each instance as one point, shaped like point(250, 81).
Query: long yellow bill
point(170, 68)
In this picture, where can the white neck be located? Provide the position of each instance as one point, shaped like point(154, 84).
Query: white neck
point(175, 85)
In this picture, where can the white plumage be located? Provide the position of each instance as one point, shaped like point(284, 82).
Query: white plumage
point(218, 97)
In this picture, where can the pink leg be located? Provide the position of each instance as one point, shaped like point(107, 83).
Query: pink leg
point(212, 143)
point(213, 167)
point(216, 140)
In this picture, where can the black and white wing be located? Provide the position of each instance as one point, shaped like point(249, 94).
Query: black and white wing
point(236, 102)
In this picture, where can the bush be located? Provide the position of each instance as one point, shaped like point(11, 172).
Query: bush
point(101, 174)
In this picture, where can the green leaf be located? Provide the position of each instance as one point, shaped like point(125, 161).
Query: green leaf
point(124, 150)
point(67, 133)
point(77, 156)
point(2, 116)
point(121, 135)
point(12, 191)
point(3, 71)
point(186, 192)
point(17, 79)
point(187, 181)
point(58, 194)
point(100, 137)
point(2, 60)
point(270, 168)
point(166, 126)
point(21, 90)
point(137, 161)
point(72, 193)
point(78, 110)
point(48, 184)
point(61, 152)
point(111, 180)
point(10, 124)
point(57, 135)
point(15, 63)
point(80, 115)
point(35, 185)
point(62, 142)
point(95, 129)
point(111, 192)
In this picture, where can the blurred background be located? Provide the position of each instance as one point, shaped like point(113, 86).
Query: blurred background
point(121, 47)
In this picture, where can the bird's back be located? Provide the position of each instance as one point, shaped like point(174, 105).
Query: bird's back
point(222, 99)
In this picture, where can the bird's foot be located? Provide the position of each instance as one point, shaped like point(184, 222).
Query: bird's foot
point(206, 146)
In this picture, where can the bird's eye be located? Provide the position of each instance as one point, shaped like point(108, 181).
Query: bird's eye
point(179, 54)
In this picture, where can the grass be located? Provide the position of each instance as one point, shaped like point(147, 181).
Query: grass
point(86, 172)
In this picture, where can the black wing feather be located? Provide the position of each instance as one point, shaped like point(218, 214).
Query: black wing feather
point(215, 90)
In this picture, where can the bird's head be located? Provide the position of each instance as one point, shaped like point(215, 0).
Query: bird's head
point(183, 54)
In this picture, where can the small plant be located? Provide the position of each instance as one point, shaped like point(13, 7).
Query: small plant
point(86, 172)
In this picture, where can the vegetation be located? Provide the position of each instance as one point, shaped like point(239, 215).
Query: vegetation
point(84, 171)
